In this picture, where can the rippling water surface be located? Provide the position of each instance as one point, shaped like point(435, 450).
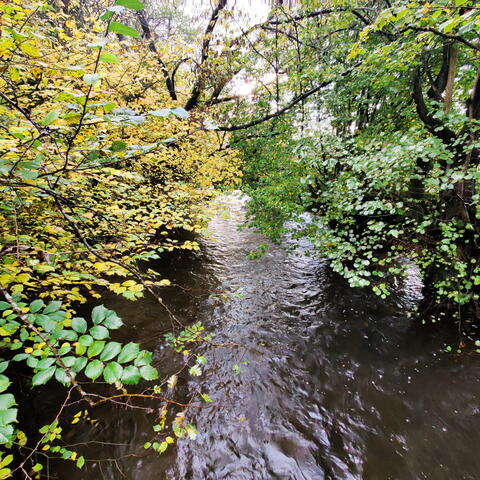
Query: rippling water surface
point(334, 384)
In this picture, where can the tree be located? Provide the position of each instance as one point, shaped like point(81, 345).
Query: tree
point(99, 171)
point(389, 162)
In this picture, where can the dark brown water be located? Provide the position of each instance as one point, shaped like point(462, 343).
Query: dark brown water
point(335, 383)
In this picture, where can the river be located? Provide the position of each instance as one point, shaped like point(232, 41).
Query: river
point(334, 383)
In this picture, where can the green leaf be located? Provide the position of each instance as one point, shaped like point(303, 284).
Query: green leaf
point(68, 335)
point(6, 461)
point(112, 321)
point(6, 434)
point(148, 372)
point(45, 363)
point(69, 361)
point(113, 372)
point(206, 398)
point(46, 323)
point(79, 325)
point(36, 305)
point(80, 462)
point(32, 361)
point(50, 118)
point(8, 416)
point(163, 446)
point(111, 350)
point(132, 4)
point(92, 79)
point(7, 400)
point(131, 375)
point(129, 352)
point(52, 307)
point(108, 107)
point(79, 364)
point(109, 58)
point(57, 316)
point(43, 377)
point(86, 340)
point(62, 376)
point(94, 369)
point(80, 349)
point(95, 348)
point(111, 11)
point(118, 146)
point(4, 366)
point(144, 358)
point(117, 27)
point(99, 313)
point(4, 383)
point(99, 333)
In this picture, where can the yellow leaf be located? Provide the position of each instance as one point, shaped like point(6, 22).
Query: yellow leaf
point(29, 50)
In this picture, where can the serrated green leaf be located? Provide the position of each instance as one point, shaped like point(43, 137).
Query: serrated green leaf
point(94, 369)
point(99, 313)
point(8, 416)
point(6, 434)
point(144, 358)
point(4, 382)
point(79, 364)
point(112, 372)
point(69, 335)
point(79, 324)
point(36, 305)
point(43, 377)
point(99, 332)
point(45, 363)
point(69, 361)
point(148, 372)
point(129, 352)
point(7, 400)
point(62, 376)
point(112, 321)
point(95, 348)
point(52, 307)
point(111, 350)
point(131, 375)
point(86, 340)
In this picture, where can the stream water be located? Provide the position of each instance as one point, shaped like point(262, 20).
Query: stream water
point(334, 382)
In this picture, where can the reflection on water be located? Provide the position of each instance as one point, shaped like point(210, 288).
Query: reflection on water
point(334, 383)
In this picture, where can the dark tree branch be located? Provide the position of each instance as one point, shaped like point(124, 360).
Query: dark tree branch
point(434, 126)
point(455, 38)
point(287, 107)
point(147, 34)
point(198, 86)
point(473, 107)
